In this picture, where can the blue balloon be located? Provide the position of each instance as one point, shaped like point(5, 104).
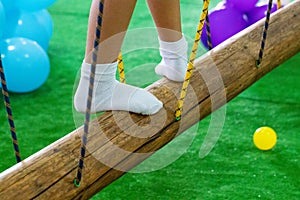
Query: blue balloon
point(27, 25)
point(11, 21)
point(45, 19)
point(33, 5)
point(8, 4)
point(2, 19)
point(26, 64)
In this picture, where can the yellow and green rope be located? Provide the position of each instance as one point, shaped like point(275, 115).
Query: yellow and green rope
point(190, 65)
point(121, 68)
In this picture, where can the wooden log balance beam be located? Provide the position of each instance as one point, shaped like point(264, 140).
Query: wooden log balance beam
point(122, 141)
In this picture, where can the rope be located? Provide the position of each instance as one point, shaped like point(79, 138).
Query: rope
point(264, 35)
point(190, 65)
point(9, 113)
point(279, 5)
point(121, 68)
point(208, 33)
point(90, 95)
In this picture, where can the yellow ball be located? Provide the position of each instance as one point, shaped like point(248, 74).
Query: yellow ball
point(265, 138)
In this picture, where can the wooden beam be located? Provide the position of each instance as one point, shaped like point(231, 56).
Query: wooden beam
point(121, 140)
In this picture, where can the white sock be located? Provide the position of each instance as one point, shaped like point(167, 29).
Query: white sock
point(109, 94)
point(174, 59)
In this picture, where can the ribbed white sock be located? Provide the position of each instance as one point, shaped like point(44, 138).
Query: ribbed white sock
point(174, 59)
point(109, 94)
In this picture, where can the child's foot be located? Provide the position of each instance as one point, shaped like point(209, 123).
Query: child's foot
point(109, 94)
point(174, 60)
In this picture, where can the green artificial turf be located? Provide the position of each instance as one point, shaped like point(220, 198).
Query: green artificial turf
point(234, 169)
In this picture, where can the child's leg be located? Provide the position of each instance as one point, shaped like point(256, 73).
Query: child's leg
point(115, 22)
point(166, 15)
point(109, 94)
point(173, 46)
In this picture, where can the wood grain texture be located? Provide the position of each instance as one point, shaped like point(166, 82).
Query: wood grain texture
point(118, 141)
